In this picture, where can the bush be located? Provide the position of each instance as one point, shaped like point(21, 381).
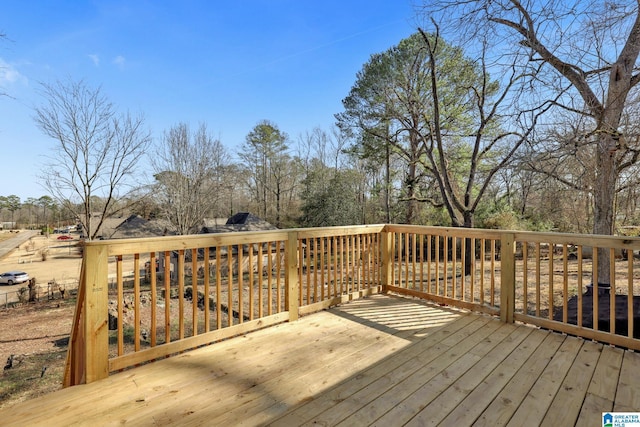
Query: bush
point(23, 294)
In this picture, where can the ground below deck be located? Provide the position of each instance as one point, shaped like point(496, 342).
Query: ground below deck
point(383, 360)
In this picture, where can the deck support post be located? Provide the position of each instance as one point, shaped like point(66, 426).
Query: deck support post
point(387, 259)
point(96, 316)
point(507, 277)
point(291, 276)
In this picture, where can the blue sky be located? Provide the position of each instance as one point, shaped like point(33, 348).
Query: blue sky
point(228, 64)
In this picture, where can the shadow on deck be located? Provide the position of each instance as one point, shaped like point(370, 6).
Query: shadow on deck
point(383, 360)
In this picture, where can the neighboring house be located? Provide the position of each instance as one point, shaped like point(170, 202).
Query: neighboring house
point(242, 221)
point(214, 222)
point(107, 228)
point(135, 226)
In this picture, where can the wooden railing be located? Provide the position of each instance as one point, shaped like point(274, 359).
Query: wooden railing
point(145, 299)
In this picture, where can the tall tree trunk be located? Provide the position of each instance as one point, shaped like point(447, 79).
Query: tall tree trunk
point(604, 194)
point(468, 261)
point(411, 194)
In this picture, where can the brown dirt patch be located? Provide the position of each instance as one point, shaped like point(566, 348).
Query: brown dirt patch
point(37, 337)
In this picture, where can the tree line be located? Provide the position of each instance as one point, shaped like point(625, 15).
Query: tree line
point(498, 114)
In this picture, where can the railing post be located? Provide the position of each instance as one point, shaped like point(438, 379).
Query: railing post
point(507, 277)
point(387, 259)
point(291, 275)
point(96, 313)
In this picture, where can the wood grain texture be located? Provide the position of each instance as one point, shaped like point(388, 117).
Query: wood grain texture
point(380, 360)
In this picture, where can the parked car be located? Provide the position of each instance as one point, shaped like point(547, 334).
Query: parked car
point(13, 277)
point(65, 237)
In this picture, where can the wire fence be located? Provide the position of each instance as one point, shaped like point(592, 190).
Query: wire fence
point(55, 289)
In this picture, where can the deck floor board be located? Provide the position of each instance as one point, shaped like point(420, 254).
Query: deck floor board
point(383, 360)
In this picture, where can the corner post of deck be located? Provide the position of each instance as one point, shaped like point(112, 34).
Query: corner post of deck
point(291, 275)
point(96, 317)
point(507, 277)
point(386, 248)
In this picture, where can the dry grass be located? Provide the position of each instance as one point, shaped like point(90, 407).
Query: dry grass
point(37, 337)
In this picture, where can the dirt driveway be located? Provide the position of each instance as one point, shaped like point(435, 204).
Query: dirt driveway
point(62, 263)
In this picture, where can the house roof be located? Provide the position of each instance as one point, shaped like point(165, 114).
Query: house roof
point(136, 226)
point(108, 226)
point(242, 221)
point(214, 222)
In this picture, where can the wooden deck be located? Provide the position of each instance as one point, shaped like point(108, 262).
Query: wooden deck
point(384, 360)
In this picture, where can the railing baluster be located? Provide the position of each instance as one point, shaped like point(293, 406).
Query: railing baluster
point(473, 270)
point(580, 299)
point(154, 298)
point(413, 259)
point(525, 279)
point(306, 286)
point(301, 265)
point(612, 291)
point(538, 276)
point(194, 290)
point(335, 265)
point(454, 272)
point(630, 294)
point(273, 253)
point(493, 272)
point(565, 285)
point(406, 259)
point(251, 284)
point(594, 288)
point(207, 290)
point(507, 277)
point(180, 275)
point(316, 245)
point(230, 263)
point(240, 284)
point(136, 302)
point(120, 299)
point(551, 281)
point(279, 264)
point(167, 296)
point(218, 287)
point(445, 259)
point(261, 301)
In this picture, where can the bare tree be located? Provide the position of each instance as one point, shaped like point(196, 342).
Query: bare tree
point(590, 48)
point(189, 171)
point(96, 153)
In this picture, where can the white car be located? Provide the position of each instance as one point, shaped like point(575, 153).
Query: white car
point(13, 277)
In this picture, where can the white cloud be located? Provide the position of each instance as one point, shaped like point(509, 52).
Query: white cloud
point(119, 61)
point(95, 58)
point(9, 74)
